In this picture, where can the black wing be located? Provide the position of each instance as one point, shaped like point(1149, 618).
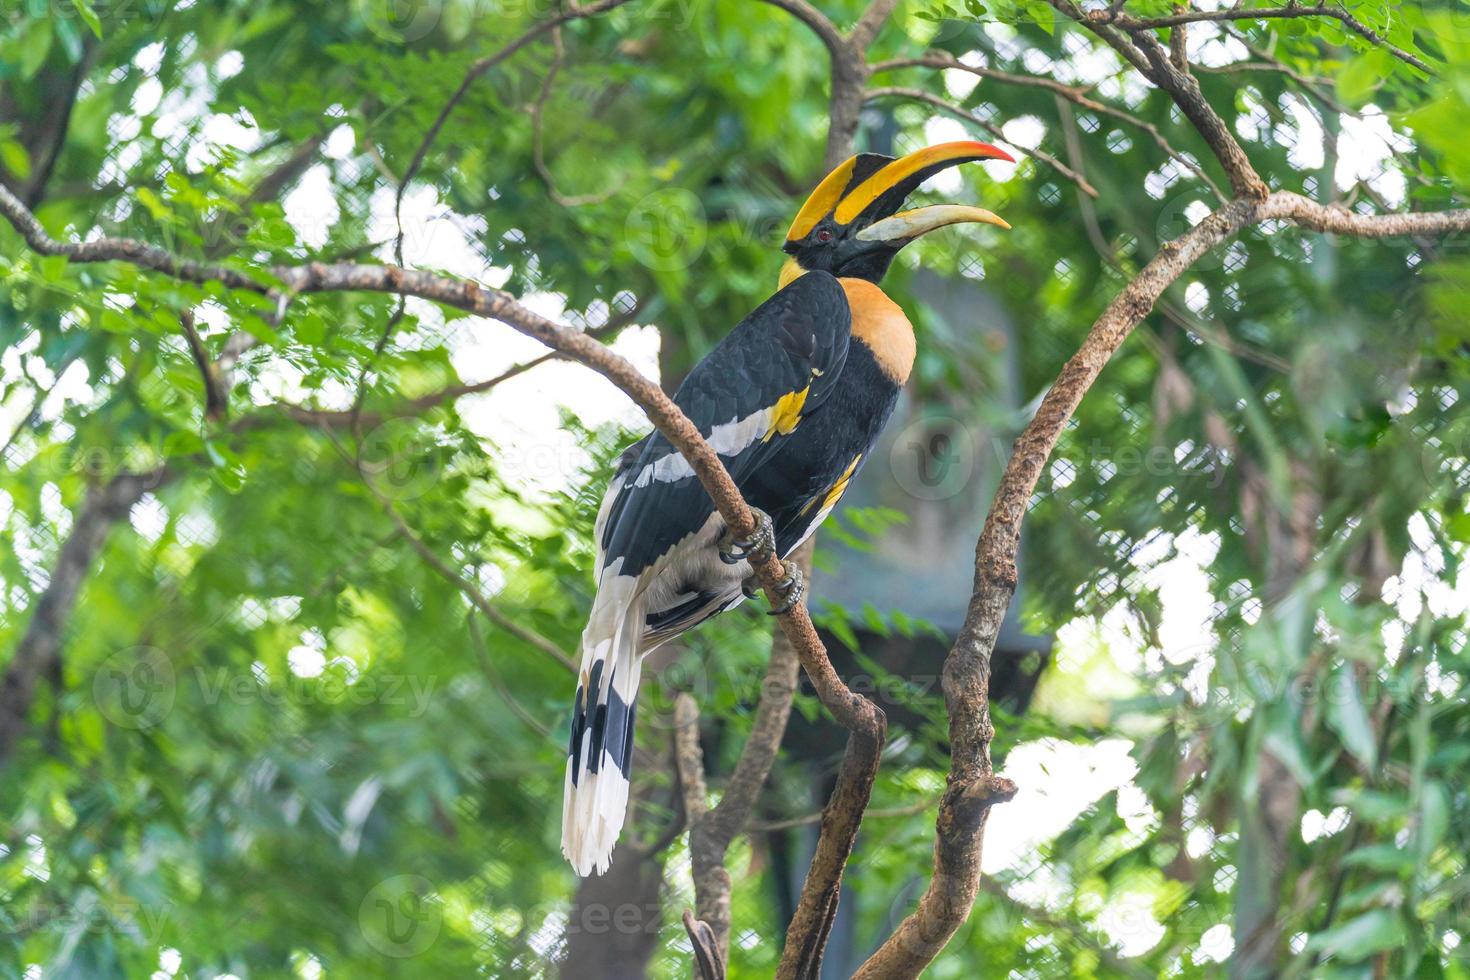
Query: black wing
point(746, 397)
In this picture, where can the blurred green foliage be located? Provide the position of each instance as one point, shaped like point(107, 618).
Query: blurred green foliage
point(281, 743)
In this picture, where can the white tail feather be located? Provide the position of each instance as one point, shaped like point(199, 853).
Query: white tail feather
point(595, 798)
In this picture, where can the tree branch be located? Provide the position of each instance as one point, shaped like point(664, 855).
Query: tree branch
point(1185, 91)
point(216, 402)
point(1261, 13)
point(538, 139)
point(849, 71)
point(806, 820)
point(813, 18)
point(712, 830)
point(865, 31)
point(1076, 94)
point(972, 786)
point(570, 13)
point(40, 646)
point(709, 961)
point(464, 585)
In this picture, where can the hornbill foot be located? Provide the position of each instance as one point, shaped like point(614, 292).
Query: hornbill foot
point(761, 543)
point(789, 590)
point(750, 588)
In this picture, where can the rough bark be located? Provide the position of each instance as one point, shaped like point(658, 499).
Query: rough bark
point(37, 655)
point(712, 830)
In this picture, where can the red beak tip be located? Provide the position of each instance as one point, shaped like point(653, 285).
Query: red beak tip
point(998, 153)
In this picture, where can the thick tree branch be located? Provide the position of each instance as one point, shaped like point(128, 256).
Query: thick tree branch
point(973, 788)
point(816, 911)
point(870, 23)
point(40, 646)
point(849, 69)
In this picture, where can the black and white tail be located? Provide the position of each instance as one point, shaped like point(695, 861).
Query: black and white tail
point(600, 753)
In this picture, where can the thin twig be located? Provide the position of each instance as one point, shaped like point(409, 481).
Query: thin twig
point(487, 665)
point(479, 68)
point(881, 813)
point(1076, 94)
point(538, 153)
point(919, 95)
point(216, 403)
point(1262, 13)
point(465, 586)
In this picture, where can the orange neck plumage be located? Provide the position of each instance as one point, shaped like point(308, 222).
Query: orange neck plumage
point(877, 321)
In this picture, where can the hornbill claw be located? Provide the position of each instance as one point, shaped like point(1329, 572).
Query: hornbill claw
point(762, 542)
point(790, 589)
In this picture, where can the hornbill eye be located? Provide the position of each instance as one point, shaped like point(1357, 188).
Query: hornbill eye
point(824, 235)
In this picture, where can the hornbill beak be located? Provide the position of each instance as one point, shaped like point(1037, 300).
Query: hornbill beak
point(862, 197)
point(908, 225)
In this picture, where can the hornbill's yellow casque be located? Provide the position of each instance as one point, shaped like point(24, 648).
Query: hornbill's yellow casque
point(792, 400)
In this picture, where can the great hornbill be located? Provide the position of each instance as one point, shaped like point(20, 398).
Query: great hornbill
point(792, 399)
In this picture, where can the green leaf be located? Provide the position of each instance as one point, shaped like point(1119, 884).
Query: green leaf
point(84, 8)
point(1381, 857)
point(35, 45)
point(52, 267)
point(1347, 716)
point(1434, 820)
point(1362, 76)
point(154, 203)
point(182, 443)
point(1361, 937)
point(15, 158)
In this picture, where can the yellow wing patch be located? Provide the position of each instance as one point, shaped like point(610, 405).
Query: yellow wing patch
point(786, 414)
point(838, 488)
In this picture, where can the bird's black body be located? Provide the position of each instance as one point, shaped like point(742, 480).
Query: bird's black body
point(798, 340)
point(793, 400)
